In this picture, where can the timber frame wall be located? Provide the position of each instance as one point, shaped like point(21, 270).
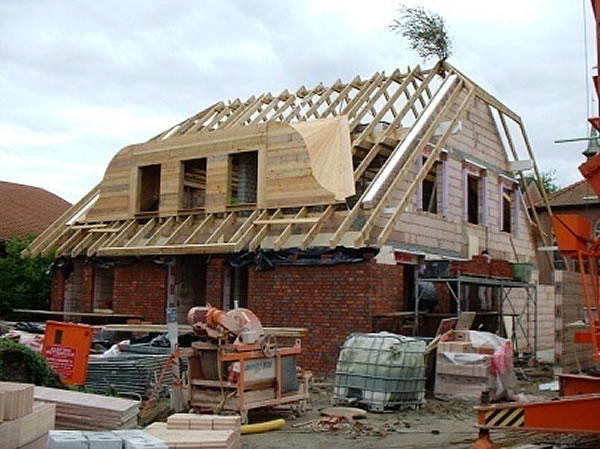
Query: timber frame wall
point(403, 113)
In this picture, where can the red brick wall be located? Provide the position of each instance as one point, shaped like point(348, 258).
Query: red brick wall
point(141, 289)
point(57, 290)
point(215, 270)
point(331, 301)
point(87, 288)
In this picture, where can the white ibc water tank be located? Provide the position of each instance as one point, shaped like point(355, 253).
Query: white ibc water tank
point(381, 370)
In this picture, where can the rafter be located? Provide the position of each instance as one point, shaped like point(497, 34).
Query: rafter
point(285, 234)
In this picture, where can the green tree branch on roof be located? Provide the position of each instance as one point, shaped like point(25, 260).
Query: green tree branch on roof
point(425, 32)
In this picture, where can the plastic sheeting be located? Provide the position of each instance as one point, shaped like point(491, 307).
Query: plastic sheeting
point(268, 259)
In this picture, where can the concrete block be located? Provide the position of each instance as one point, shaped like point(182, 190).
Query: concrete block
point(104, 440)
point(76, 440)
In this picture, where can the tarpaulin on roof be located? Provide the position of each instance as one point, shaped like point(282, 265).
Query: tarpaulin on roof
point(330, 152)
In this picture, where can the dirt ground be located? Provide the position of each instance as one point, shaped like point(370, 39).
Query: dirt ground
point(439, 424)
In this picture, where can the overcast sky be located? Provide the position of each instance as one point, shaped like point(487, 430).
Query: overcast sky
point(80, 80)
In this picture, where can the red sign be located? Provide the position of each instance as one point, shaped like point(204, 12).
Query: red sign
point(61, 359)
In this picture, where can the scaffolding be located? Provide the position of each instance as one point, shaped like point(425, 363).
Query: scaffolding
point(521, 317)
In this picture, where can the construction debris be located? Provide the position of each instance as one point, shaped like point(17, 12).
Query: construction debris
point(84, 411)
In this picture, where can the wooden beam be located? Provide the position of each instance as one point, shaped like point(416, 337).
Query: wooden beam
point(97, 244)
point(90, 226)
point(241, 241)
point(222, 227)
point(82, 244)
point(285, 234)
point(371, 101)
point(67, 243)
point(536, 217)
point(288, 221)
point(141, 231)
point(387, 229)
point(248, 223)
point(314, 230)
point(159, 230)
point(260, 235)
point(200, 228)
point(49, 247)
point(50, 232)
point(179, 229)
point(126, 227)
point(181, 249)
point(408, 165)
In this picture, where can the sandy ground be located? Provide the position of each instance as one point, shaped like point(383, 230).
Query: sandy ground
point(439, 424)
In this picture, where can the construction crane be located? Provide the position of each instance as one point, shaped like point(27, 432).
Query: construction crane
point(577, 408)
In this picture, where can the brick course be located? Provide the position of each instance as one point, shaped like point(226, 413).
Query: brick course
point(331, 301)
point(57, 290)
point(141, 289)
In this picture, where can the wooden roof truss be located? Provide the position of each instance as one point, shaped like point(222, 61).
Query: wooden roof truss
point(382, 111)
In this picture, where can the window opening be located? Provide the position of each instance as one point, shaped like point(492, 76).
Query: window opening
point(194, 183)
point(244, 177)
point(149, 188)
point(429, 188)
point(473, 199)
point(507, 206)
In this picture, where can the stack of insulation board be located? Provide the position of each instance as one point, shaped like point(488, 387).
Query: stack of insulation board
point(463, 371)
point(191, 431)
point(84, 411)
point(24, 423)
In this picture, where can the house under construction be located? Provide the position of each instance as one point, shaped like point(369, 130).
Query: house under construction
point(313, 208)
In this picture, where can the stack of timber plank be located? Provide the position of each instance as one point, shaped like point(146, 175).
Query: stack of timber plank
point(84, 411)
point(191, 431)
point(24, 423)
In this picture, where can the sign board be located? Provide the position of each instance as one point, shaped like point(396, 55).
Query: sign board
point(67, 349)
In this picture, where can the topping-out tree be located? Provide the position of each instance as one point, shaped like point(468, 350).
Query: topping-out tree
point(425, 32)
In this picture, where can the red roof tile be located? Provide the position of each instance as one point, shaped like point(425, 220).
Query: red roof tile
point(576, 194)
point(27, 210)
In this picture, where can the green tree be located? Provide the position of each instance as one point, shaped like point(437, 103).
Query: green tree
point(425, 32)
point(24, 282)
point(548, 180)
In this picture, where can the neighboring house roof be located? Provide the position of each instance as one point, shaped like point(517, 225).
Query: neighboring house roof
point(27, 209)
point(579, 193)
point(320, 143)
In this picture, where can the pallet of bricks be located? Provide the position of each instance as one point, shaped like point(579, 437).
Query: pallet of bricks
point(192, 431)
point(470, 362)
point(24, 423)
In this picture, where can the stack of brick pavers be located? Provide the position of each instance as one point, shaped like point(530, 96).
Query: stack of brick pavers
point(191, 431)
point(24, 423)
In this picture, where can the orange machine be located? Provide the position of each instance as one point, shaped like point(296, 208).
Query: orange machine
point(240, 367)
point(578, 407)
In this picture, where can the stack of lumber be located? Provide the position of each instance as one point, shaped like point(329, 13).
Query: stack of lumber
point(191, 431)
point(86, 411)
point(24, 423)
